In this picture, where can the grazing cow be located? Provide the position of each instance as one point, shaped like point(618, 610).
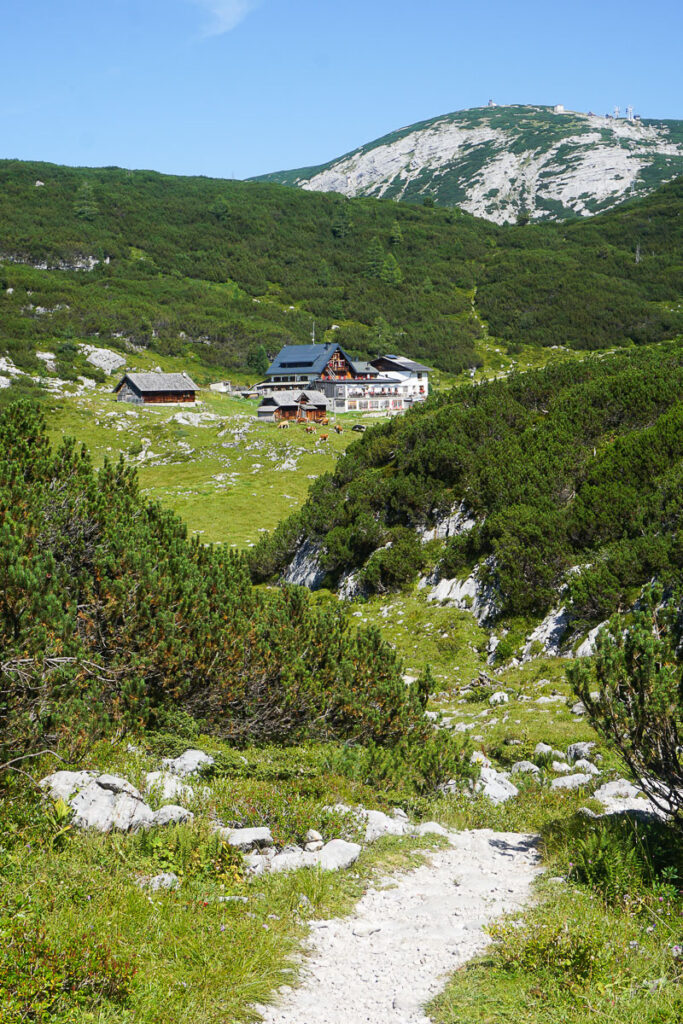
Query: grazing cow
point(284, 425)
point(325, 422)
point(310, 429)
point(339, 430)
point(324, 437)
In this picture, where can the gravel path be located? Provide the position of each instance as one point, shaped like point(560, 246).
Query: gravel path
point(381, 965)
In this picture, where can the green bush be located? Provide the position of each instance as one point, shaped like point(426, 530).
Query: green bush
point(112, 619)
point(41, 980)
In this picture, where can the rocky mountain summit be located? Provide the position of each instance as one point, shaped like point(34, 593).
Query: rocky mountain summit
point(502, 162)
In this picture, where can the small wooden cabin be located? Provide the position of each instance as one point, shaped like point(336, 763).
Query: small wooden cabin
point(156, 388)
point(293, 405)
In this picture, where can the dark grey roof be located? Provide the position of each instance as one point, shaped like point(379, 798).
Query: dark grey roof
point(146, 382)
point(361, 367)
point(293, 397)
point(405, 363)
point(303, 359)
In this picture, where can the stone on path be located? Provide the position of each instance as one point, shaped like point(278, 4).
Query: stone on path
point(382, 964)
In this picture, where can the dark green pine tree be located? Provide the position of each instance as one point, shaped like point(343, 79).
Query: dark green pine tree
point(391, 272)
point(85, 204)
point(374, 258)
point(396, 234)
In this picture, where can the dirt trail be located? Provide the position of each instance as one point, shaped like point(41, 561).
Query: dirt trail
point(382, 964)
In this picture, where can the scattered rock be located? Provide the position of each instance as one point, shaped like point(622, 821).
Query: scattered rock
point(313, 837)
point(575, 751)
point(168, 786)
point(524, 768)
point(172, 814)
point(494, 785)
point(106, 802)
point(586, 766)
point(570, 781)
point(188, 763)
point(334, 856)
point(380, 824)
point(247, 839)
point(500, 697)
point(166, 880)
point(561, 767)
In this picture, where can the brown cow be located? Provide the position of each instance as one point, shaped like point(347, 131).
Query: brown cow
point(310, 429)
point(325, 422)
point(324, 437)
point(339, 430)
point(284, 425)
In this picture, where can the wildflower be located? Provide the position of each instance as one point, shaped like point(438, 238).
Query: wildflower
point(633, 944)
point(677, 951)
point(222, 927)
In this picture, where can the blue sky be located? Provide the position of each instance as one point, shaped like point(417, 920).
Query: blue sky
point(232, 88)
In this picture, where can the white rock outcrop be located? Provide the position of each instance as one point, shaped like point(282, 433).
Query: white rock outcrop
point(469, 595)
point(187, 763)
point(305, 568)
point(457, 521)
point(107, 802)
point(103, 358)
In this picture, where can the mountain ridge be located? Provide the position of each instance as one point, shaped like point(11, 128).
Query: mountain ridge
point(503, 162)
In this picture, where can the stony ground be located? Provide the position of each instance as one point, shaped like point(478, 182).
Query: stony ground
point(381, 965)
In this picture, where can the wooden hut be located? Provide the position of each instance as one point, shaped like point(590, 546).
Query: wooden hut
point(156, 388)
point(293, 405)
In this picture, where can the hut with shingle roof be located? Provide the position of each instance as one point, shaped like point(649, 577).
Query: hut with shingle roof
point(156, 388)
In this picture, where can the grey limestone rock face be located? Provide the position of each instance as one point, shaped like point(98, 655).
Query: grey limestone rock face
point(305, 568)
point(187, 763)
point(456, 522)
point(379, 824)
point(548, 634)
point(620, 796)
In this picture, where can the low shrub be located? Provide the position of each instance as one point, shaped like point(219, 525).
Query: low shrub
point(43, 981)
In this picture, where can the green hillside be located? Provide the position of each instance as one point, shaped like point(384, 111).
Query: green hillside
point(224, 268)
point(573, 466)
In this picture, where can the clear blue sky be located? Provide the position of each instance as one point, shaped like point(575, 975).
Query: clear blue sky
point(233, 88)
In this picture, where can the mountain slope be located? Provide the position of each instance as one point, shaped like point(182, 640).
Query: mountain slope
point(499, 162)
point(225, 269)
point(570, 475)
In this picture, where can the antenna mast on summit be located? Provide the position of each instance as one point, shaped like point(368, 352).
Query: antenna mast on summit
point(617, 111)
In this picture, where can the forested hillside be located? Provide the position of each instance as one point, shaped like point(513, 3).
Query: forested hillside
point(573, 466)
point(235, 268)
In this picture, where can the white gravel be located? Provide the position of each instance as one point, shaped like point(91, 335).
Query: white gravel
point(382, 964)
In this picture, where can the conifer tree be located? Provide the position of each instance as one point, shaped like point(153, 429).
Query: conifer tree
point(374, 259)
point(391, 272)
